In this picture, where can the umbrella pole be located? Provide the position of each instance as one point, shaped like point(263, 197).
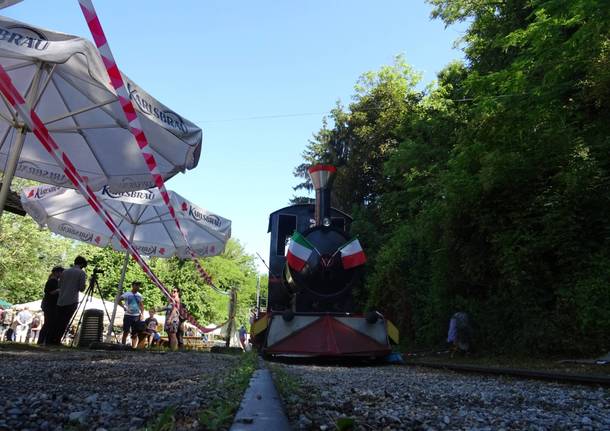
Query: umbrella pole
point(11, 167)
point(120, 291)
point(13, 159)
point(118, 297)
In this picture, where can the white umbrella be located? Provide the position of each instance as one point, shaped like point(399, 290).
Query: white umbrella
point(140, 214)
point(64, 79)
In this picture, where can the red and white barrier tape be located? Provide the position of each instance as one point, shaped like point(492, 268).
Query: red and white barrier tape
point(34, 123)
point(116, 81)
point(37, 127)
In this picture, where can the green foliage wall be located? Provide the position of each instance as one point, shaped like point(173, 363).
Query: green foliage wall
point(489, 190)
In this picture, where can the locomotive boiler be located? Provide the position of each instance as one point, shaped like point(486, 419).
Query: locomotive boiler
point(314, 264)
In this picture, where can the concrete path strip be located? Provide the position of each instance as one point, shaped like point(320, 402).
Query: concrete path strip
point(261, 408)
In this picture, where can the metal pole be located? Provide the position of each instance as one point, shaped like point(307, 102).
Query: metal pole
point(15, 153)
point(232, 305)
point(120, 289)
point(258, 295)
point(11, 167)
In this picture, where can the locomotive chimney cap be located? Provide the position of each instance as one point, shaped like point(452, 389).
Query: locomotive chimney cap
point(321, 175)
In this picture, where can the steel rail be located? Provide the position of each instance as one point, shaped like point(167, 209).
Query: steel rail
point(556, 376)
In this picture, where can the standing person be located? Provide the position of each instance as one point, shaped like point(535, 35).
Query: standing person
point(35, 328)
point(24, 320)
point(72, 281)
point(5, 322)
point(459, 333)
point(49, 304)
point(242, 336)
point(151, 326)
point(172, 318)
point(134, 310)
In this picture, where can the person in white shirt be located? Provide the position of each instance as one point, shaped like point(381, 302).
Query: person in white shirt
point(24, 320)
point(134, 310)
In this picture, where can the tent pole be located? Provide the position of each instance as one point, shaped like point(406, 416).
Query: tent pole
point(11, 167)
point(120, 290)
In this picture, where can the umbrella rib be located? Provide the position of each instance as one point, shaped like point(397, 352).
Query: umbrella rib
point(16, 66)
point(127, 213)
point(118, 214)
point(65, 102)
point(44, 86)
point(80, 128)
point(157, 218)
point(67, 210)
point(80, 111)
point(10, 121)
point(13, 121)
point(166, 230)
point(8, 130)
point(119, 121)
point(92, 82)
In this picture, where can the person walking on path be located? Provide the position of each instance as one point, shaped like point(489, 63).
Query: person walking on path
point(172, 319)
point(243, 336)
point(49, 304)
point(134, 310)
point(72, 281)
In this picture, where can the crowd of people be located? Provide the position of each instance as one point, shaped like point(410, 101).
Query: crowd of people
point(58, 305)
point(20, 325)
point(61, 300)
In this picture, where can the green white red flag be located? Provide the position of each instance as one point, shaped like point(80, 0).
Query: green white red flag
point(299, 251)
point(352, 254)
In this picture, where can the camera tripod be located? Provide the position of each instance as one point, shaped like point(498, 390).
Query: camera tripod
point(88, 295)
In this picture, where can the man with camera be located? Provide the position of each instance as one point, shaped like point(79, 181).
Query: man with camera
point(72, 281)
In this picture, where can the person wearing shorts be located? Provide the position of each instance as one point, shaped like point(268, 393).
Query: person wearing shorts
point(172, 319)
point(134, 309)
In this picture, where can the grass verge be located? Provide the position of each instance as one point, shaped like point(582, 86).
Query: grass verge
point(219, 414)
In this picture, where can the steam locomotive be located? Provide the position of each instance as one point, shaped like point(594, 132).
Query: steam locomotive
point(313, 267)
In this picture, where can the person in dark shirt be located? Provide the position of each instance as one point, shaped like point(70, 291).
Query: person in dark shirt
point(49, 303)
point(72, 281)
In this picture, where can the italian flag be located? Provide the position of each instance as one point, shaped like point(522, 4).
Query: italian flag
point(299, 251)
point(352, 254)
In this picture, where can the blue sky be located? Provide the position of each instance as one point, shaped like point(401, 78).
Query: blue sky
point(225, 64)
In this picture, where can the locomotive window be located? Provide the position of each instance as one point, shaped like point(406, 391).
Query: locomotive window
point(338, 223)
point(286, 226)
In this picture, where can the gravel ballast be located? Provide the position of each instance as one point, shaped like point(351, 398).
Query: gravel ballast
point(406, 398)
point(102, 390)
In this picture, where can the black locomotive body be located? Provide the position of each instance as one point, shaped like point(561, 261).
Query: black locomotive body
point(323, 285)
point(310, 309)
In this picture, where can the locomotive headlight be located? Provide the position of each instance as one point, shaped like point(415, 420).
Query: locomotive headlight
point(326, 222)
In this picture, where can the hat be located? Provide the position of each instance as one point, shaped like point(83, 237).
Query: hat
point(57, 269)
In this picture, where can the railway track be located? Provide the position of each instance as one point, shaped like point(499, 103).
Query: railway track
point(555, 376)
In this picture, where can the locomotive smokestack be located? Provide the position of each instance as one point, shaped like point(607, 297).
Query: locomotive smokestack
point(322, 177)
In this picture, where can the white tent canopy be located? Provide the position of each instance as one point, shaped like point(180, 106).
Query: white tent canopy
point(92, 303)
